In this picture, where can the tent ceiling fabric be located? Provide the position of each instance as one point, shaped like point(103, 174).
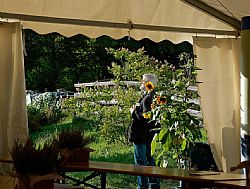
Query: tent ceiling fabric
point(233, 8)
point(207, 8)
point(158, 20)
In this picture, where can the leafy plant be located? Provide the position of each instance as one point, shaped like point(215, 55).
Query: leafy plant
point(132, 65)
point(29, 159)
point(179, 128)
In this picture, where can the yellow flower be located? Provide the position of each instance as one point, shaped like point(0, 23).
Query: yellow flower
point(146, 115)
point(149, 86)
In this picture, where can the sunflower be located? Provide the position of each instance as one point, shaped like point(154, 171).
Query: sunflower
point(161, 100)
point(149, 86)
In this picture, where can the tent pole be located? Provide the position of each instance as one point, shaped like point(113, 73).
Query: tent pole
point(245, 88)
point(24, 17)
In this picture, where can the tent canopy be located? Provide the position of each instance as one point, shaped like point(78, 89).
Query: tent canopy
point(176, 20)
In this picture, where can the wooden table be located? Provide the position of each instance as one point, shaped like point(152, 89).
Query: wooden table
point(101, 168)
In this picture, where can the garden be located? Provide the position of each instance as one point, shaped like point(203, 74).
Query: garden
point(107, 124)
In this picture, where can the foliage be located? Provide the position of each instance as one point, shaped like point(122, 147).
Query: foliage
point(45, 109)
point(29, 159)
point(54, 61)
point(72, 139)
point(34, 118)
point(116, 118)
point(132, 65)
point(107, 108)
point(179, 128)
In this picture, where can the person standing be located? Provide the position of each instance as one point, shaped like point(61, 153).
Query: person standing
point(140, 132)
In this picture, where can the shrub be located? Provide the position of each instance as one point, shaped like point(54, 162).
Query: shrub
point(44, 109)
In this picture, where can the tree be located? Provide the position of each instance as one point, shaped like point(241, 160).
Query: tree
point(55, 61)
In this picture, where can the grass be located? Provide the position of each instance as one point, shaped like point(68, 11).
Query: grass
point(104, 151)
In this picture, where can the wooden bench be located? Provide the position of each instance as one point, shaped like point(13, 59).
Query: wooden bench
point(65, 186)
point(7, 182)
point(188, 180)
point(101, 168)
point(233, 184)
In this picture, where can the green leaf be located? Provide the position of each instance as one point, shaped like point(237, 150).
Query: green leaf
point(163, 134)
point(154, 144)
point(184, 144)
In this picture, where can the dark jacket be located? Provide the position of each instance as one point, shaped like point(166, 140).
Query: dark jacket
point(139, 131)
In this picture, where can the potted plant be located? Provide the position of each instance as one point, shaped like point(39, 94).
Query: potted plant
point(34, 167)
point(73, 145)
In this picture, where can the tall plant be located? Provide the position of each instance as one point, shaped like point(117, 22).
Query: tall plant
point(179, 128)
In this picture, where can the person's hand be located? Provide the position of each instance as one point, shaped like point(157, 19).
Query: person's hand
point(132, 109)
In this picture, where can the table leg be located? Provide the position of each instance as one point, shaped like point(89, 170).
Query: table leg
point(185, 185)
point(103, 180)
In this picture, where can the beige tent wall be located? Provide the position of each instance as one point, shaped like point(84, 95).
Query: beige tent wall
point(13, 114)
point(219, 60)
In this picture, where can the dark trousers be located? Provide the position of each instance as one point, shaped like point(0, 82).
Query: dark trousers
point(142, 156)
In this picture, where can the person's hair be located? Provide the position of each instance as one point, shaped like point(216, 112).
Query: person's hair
point(151, 78)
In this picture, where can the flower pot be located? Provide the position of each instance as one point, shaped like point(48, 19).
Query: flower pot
point(37, 181)
point(44, 184)
point(79, 155)
point(76, 155)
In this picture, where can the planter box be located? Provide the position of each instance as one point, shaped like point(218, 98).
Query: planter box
point(76, 155)
point(44, 184)
point(37, 181)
